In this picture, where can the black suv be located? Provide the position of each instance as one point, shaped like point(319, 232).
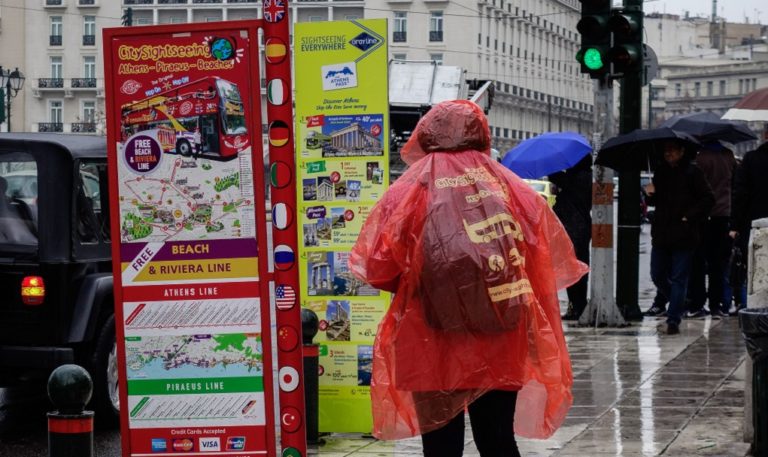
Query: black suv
point(56, 303)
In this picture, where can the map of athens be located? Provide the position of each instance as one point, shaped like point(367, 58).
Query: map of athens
point(193, 356)
point(187, 199)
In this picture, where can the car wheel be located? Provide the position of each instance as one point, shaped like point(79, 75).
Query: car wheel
point(184, 148)
point(106, 398)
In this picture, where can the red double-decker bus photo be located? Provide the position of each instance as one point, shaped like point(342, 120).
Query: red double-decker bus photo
point(203, 118)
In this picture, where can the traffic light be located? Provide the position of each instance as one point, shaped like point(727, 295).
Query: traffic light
point(626, 55)
point(595, 37)
point(128, 17)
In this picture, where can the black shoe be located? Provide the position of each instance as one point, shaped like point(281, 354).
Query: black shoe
point(698, 314)
point(717, 314)
point(673, 329)
point(655, 311)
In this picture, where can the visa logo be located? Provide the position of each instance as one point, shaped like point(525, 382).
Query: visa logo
point(235, 443)
point(159, 445)
point(210, 444)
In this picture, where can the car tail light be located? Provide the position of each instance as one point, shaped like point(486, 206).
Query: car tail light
point(32, 290)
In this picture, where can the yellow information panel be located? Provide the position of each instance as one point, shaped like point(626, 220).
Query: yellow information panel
point(342, 148)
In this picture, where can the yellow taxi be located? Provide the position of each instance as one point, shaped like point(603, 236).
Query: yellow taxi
point(543, 188)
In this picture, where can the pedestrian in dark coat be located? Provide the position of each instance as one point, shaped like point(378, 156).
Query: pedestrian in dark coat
point(683, 200)
point(750, 198)
point(718, 165)
point(573, 207)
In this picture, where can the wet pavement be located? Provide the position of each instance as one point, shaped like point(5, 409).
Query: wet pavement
point(636, 393)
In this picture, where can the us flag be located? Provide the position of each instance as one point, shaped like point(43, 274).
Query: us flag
point(285, 297)
point(274, 10)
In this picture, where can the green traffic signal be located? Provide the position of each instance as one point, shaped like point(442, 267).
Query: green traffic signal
point(593, 59)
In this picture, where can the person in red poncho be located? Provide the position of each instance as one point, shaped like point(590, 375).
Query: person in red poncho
point(475, 258)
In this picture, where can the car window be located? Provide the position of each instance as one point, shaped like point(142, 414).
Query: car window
point(92, 222)
point(18, 201)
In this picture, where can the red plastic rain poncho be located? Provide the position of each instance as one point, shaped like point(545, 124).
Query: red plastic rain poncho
point(475, 258)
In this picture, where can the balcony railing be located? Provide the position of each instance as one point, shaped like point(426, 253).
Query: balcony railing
point(399, 37)
point(83, 82)
point(50, 83)
point(166, 2)
point(435, 35)
point(86, 2)
point(55, 40)
point(83, 127)
point(89, 40)
point(50, 127)
point(139, 2)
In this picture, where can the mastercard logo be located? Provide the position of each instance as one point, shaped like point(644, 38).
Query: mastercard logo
point(183, 445)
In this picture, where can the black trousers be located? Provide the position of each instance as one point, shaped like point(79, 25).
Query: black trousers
point(709, 261)
point(492, 417)
point(577, 293)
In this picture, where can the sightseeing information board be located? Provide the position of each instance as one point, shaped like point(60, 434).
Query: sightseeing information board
point(342, 125)
point(188, 219)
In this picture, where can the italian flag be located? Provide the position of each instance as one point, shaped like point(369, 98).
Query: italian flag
point(277, 92)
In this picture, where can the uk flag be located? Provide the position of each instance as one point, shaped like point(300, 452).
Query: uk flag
point(274, 10)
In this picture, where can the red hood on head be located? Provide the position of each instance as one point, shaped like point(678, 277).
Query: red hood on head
point(450, 126)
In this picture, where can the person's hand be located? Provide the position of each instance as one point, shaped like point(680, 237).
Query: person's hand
point(733, 234)
point(650, 188)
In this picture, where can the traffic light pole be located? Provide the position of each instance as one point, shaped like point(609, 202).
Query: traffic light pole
point(628, 233)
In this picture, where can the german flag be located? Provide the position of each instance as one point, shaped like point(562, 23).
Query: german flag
point(275, 50)
point(279, 133)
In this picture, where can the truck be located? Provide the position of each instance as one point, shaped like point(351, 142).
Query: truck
point(416, 86)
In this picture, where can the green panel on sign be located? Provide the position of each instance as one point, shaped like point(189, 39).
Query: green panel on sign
point(593, 59)
point(291, 452)
point(195, 385)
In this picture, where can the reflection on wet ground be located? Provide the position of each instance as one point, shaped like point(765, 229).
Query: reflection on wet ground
point(636, 393)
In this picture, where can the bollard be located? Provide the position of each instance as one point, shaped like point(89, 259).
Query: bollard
point(70, 428)
point(309, 326)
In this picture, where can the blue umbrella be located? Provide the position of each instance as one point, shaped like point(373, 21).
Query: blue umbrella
point(546, 154)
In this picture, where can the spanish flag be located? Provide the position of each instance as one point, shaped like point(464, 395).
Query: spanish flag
point(279, 133)
point(275, 50)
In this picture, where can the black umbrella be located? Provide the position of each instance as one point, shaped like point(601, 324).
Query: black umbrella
point(708, 127)
point(642, 149)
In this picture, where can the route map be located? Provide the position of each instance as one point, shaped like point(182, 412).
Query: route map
point(188, 199)
point(194, 356)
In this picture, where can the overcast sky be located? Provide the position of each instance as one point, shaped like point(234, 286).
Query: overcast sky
point(732, 10)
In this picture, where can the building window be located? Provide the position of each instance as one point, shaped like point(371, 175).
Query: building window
point(401, 25)
point(351, 17)
point(697, 89)
point(437, 58)
point(678, 90)
point(722, 87)
point(89, 67)
point(754, 83)
point(399, 56)
point(56, 31)
point(710, 88)
point(143, 21)
point(741, 86)
point(315, 19)
point(55, 111)
point(89, 111)
point(56, 67)
point(436, 26)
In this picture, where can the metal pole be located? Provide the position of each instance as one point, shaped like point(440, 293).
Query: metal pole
point(8, 103)
point(602, 309)
point(628, 246)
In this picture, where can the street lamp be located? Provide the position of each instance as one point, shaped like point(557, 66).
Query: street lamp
point(12, 81)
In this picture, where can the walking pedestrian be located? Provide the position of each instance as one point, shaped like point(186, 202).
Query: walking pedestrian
point(750, 197)
point(475, 258)
point(573, 206)
point(718, 164)
point(683, 200)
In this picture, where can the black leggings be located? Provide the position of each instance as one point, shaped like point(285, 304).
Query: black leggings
point(492, 417)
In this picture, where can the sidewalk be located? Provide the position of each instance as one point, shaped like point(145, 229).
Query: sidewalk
point(636, 393)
